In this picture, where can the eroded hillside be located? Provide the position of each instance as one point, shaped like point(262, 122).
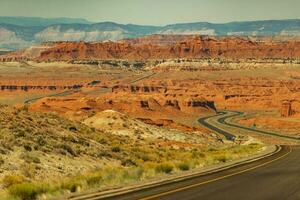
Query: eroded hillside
point(159, 47)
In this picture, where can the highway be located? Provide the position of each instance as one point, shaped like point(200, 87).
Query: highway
point(236, 114)
point(203, 121)
point(276, 177)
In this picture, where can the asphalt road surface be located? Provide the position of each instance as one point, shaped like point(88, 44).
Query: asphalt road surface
point(236, 113)
point(274, 178)
point(203, 121)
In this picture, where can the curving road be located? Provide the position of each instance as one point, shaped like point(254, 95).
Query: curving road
point(276, 177)
point(236, 114)
point(204, 122)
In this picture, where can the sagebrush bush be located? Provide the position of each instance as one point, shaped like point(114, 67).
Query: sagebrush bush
point(183, 166)
point(164, 168)
point(221, 158)
point(26, 191)
point(69, 149)
point(10, 180)
point(71, 185)
point(128, 162)
point(1, 161)
point(116, 149)
point(29, 158)
point(94, 179)
point(133, 174)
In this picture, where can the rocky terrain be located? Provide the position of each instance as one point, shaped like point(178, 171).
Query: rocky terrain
point(44, 155)
point(158, 47)
point(102, 114)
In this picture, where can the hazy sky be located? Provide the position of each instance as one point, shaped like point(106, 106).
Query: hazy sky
point(155, 12)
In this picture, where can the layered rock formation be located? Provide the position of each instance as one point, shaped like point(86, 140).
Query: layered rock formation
point(158, 47)
point(286, 109)
point(37, 87)
point(190, 47)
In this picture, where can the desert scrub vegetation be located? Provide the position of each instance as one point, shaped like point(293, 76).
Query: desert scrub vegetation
point(27, 191)
point(167, 162)
point(166, 168)
point(183, 166)
point(46, 155)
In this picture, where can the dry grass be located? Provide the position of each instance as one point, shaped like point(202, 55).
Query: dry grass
point(75, 157)
point(119, 176)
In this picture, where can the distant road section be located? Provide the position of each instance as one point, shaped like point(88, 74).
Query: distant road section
point(204, 122)
point(236, 114)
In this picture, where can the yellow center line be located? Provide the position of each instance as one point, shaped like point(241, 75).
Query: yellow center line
point(216, 179)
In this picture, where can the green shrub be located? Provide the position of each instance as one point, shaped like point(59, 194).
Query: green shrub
point(212, 149)
point(41, 141)
point(104, 154)
point(183, 166)
point(133, 174)
point(116, 149)
point(164, 168)
point(27, 147)
point(102, 141)
point(196, 154)
point(94, 180)
point(29, 158)
point(1, 161)
point(71, 185)
point(68, 149)
point(221, 158)
point(26, 191)
point(128, 162)
point(10, 180)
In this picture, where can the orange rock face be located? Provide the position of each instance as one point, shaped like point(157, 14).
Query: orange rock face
point(190, 47)
point(164, 47)
point(286, 109)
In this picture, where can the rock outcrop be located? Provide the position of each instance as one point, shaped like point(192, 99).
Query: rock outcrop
point(156, 47)
point(172, 103)
point(196, 103)
point(286, 109)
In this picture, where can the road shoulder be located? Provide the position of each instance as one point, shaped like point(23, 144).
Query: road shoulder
point(167, 179)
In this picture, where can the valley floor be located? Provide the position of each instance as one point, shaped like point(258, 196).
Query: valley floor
point(82, 126)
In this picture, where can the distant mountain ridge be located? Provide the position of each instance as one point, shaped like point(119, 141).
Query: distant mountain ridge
point(21, 32)
point(39, 21)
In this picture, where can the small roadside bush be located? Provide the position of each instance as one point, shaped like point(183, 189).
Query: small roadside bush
point(71, 185)
point(116, 149)
point(183, 166)
point(94, 180)
point(133, 174)
point(26, 191)
point(10, 180)
point(164, 168)
point(221, 158)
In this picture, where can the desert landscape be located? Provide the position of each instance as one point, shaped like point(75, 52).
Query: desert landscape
point(106, 110)
point(132, 107)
